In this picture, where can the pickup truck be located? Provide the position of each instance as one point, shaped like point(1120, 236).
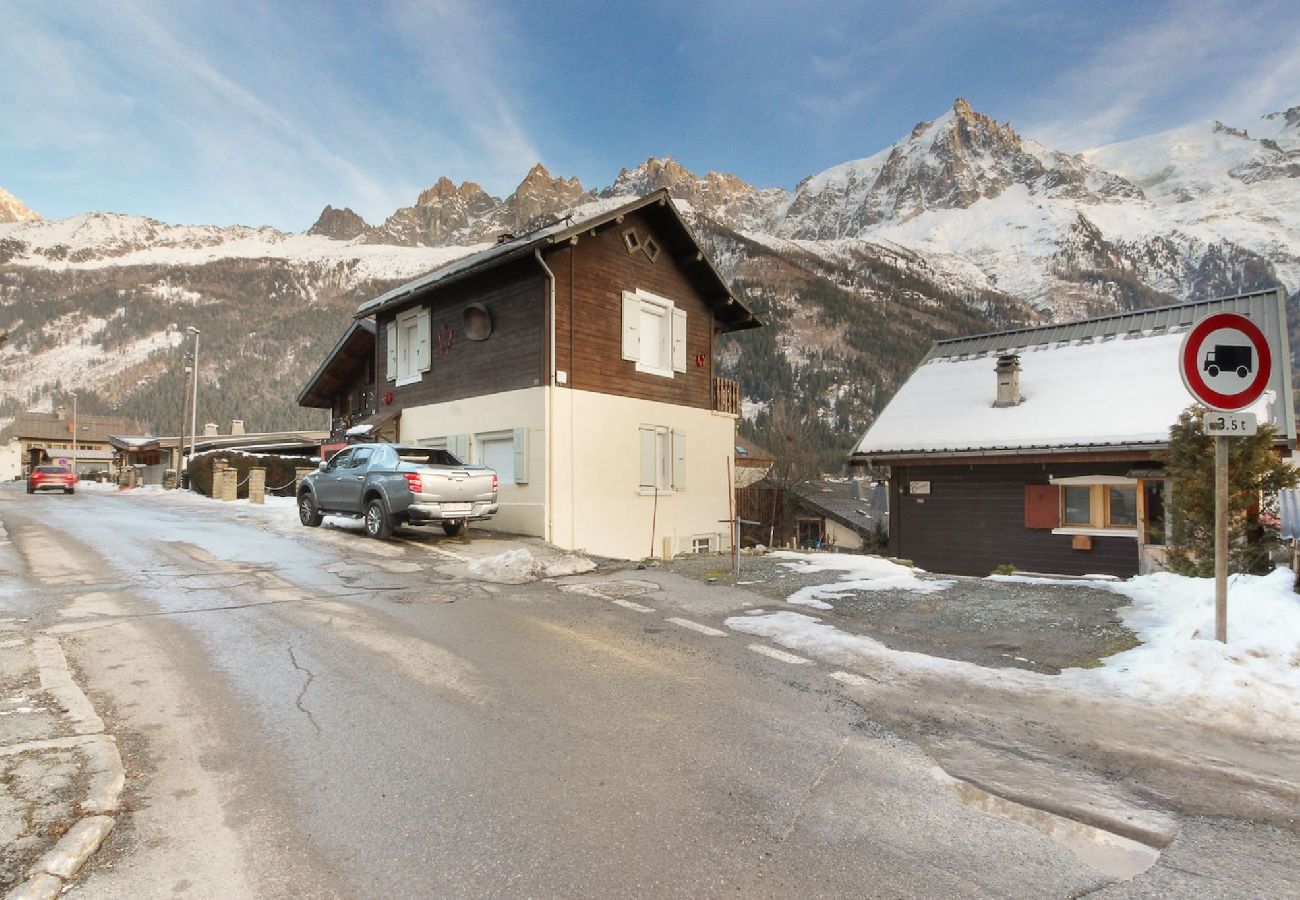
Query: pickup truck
point(391, 484)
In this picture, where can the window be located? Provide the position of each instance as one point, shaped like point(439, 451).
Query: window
point(654, 333)
point(1098, 503)
point(361, 458)
point(702, 545)
point(651, 249)
point(1154, 527)
point(340, 460)
point(498, 453)
point(407, 339)
point(663, 459)
point(1078, 506)
point(631, 240)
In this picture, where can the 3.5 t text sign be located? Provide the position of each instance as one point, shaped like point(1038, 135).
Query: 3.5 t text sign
point(1225, 362)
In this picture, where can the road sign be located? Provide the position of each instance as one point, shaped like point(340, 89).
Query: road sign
point(1226, 362)
point(1231, 424)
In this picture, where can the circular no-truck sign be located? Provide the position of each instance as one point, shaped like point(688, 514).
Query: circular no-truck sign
point(1225, 362)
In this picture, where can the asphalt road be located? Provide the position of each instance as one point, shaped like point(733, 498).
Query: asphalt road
point(308, 713)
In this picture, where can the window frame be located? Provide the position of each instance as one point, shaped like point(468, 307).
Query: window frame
point(1099, 522)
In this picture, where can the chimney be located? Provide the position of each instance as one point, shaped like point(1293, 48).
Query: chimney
point(1008, 370)
point(236, 426)
point(62, 413)
point(210, 429)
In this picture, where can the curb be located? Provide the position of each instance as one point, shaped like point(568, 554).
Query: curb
point(103, 764)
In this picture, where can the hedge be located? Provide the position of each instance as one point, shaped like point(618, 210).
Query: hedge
point(280, 470)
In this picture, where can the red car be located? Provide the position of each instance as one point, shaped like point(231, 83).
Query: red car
point(51, 478)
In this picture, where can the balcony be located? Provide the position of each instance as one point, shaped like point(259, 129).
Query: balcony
point(726, 395)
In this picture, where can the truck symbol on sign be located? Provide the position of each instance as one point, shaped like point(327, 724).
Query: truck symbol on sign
point(1228, 358)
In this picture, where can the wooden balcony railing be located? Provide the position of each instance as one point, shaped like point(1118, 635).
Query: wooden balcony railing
point(726, 395)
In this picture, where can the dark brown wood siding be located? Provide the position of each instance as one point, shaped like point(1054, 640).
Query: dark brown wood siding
point(590, 278)
point(973, 520)
point(510, 359)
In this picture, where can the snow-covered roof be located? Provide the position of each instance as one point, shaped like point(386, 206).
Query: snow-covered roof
point(1093, 384)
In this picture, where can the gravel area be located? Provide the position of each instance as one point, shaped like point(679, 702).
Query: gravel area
point(1044, 628)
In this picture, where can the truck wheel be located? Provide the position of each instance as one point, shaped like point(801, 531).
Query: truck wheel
point(1241, 371)
point(453, 529)
point(1213, 370)
point(308, 514)
point(377, 523)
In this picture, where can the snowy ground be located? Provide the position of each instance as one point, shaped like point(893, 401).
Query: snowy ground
point(1252, 681)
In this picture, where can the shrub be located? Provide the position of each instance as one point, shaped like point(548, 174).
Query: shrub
point(279, 470)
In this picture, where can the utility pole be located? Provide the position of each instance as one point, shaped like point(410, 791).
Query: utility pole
point(74, 434)
point(194, 398)
point(185, 417)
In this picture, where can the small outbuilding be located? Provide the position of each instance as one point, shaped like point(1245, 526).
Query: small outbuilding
point(1040, 448)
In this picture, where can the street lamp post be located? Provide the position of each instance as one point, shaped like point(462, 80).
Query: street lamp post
point(185, 417)
point(74, 434)
point(194, 398)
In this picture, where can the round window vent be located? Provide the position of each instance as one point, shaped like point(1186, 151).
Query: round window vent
point(478, 322)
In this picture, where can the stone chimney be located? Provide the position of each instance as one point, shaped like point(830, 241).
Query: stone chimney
point(1008, 370)
point(236, 426)
point(210, 429)
point(62, 412)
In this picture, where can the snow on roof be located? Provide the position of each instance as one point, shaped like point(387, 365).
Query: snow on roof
point(1120, 391)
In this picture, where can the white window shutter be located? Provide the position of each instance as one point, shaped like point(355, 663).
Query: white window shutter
point(423, 358)
point(458, 446)
point(649, 459)
point(521, 455)
point(631, 327)
point(679, 460)
point(679, 340)
point(390, 340)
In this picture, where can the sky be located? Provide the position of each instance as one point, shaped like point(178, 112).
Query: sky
point(250, 113)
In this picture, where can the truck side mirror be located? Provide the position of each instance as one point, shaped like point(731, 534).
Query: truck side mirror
point(322, 464)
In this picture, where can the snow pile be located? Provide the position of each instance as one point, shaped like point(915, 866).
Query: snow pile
point(520, 566)
point(1255, 678)
point(858, 573)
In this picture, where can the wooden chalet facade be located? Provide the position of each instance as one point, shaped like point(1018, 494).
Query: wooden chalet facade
point(578, 361)
point(344, 383)
point(45, 438)
point(1040, 448)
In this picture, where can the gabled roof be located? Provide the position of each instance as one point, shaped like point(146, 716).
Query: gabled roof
point(750, 454)
point(729, 310)
point(39, 426)
point(339, 365)
point(854, 504)
point(1111, 382)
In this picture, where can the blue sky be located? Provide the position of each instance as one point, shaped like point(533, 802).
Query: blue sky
point(261, 113)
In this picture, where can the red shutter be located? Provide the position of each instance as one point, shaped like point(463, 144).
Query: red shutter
point(1042, 506)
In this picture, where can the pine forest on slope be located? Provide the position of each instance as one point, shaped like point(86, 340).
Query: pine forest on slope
point(963, 226)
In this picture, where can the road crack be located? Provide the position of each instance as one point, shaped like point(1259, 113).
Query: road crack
point(305, 685)
point(812, 788)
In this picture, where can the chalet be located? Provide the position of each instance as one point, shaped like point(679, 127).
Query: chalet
point(345, 384)
point(842, 513)
point(1040, 447)
point(57, 438)
point(578, 361)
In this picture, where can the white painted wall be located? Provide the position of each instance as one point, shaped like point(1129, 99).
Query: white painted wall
point(841, 537)
point(522, 505)
point(11, 460)
point(599, 506)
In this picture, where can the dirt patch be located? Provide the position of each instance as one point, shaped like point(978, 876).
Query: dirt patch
point(1043, 628)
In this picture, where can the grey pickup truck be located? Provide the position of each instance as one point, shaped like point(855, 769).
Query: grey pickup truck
point(390, 485)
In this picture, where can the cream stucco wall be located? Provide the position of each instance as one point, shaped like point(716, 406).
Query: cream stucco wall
point(522, 505)
point(598, 506)
point(842, 537)
point(11, 460)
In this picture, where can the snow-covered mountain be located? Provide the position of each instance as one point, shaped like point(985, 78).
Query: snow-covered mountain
point(14, 210)
point(961, 225)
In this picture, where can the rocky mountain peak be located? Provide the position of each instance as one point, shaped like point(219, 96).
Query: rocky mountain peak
point(951, 162)
point(540, 196)
point(444, 190)
point(339, 224)
point(14, 210)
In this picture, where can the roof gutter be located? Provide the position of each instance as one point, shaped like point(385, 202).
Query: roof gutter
point(550, 400)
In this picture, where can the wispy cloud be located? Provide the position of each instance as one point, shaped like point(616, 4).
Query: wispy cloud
point(1196, 60)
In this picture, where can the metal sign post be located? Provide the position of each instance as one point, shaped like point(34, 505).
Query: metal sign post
point(1226, 363)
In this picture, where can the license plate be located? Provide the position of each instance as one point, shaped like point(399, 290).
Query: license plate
point(457, 507)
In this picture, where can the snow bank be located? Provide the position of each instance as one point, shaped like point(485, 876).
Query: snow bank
point(859, 573)
point(520, 566)
point(1252, 680)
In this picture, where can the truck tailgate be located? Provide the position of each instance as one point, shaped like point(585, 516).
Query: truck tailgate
point(452, 485)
